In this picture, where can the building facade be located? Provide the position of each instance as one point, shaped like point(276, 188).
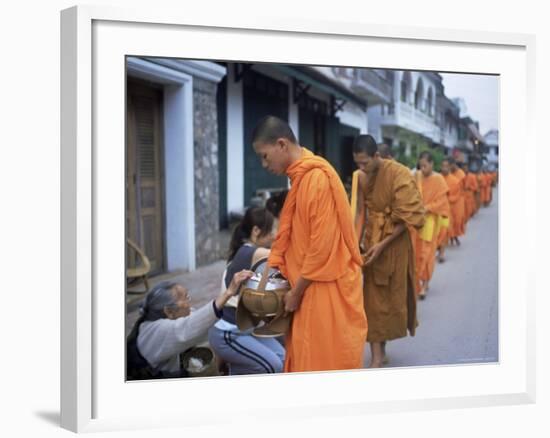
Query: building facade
point(409, 123)
point(171, 165)
point(191, 167)
point(324, 114)
point(491, 149)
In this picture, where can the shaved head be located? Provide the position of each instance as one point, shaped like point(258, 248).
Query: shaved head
point(365, 144)
point(270, 128)
point(384, 150)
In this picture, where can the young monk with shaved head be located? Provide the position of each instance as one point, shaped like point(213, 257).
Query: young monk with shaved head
point(460, 206)
point(390, 200)
point(434, 190)
point(316, 250)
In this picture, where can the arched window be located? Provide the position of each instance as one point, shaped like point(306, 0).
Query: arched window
point(419, 94)
point(429, 102)
point(405, 86)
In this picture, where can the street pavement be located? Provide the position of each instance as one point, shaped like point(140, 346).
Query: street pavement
point(458, 320)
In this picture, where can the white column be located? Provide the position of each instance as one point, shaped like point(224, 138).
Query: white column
point(179, 176)
point(235, 147)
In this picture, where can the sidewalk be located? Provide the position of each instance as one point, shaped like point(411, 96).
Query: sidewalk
point(203, 284)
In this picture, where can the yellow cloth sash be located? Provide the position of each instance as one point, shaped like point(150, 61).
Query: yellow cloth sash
point(427, 231)
point(432, 225)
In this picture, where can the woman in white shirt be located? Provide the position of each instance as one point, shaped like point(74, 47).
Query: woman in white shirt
point(168, 326)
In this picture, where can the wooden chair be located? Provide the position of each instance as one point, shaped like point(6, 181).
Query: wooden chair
point(142, 269)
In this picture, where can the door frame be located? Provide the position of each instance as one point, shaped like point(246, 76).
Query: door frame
point(134, 193)
point(178, 159)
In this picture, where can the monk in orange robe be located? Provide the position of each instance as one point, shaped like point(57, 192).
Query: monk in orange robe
point(471, 187)
point(433, 190)
point(389, 197)
point(316, 250)
point(458, 211)
point(454, 197)
point(477, 194)
point(483, 186)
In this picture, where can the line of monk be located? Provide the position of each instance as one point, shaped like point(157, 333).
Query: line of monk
point(451, 201)
point(356, 273)
point(429, 210)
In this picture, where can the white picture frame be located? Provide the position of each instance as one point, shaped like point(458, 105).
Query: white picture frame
point(92, 396)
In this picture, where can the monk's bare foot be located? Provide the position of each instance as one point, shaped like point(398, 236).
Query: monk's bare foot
point(457, 241)
point(376, 364)
point(441, 259)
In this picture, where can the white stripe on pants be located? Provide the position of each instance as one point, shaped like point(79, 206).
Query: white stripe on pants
point(247, 354)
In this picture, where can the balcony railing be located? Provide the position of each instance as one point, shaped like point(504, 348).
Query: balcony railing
point(404, 115)
point(371, 85)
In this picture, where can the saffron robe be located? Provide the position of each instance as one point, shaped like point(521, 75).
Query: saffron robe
point(483, 185)
point(471, 188)
point(316, 241)
point(433, 190)
point(391, 196)
point(477, 194)
point(461, 203)
point(456, 203)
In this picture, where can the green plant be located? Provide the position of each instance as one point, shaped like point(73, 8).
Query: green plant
point(419, 145)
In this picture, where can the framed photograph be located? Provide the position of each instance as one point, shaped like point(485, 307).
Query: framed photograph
point(158, 166)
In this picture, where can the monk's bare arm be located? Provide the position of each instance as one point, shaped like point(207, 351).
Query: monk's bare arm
point(398, 229)
point(302, 284)
point(294, 297)
point(375, 250)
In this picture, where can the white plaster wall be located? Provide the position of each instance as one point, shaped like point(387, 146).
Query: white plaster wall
point(180, 220)
point(235, 147)
point(354, 116)
point(374, 115)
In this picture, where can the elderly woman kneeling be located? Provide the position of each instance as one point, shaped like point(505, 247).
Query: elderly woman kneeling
point(168, 326)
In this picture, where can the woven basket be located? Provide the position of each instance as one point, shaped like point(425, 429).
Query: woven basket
point(208, 358)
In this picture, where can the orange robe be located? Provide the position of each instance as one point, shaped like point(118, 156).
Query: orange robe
point(477, 195)
point(460, 205)
point(391, 197)
point(483, 185)
point(471, 188)
point(316, 241)
point(434, 197)
point(456, 204)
